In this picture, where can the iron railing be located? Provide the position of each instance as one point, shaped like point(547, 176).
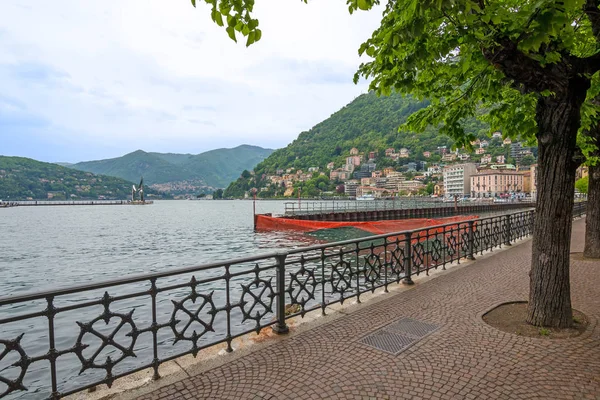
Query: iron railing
point(298, 208)
point(59, 342)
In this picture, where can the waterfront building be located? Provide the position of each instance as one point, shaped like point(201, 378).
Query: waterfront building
point(438, 189)
point(393, 181)
point(527, 182)
point(496, 183)
point(457, 179)
point(375, 191)
point(350, 187)
point(354, 151)
point(480, 150)
point(533, 170)
point(410, 186)
point(426, 154)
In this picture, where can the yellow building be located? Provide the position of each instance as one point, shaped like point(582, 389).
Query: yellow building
point(533, 192)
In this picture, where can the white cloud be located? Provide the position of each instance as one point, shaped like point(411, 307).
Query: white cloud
point(161, 76)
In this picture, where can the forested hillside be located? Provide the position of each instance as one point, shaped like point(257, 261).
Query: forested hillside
point(215, 168)
point(369, 123)
point(23, 178)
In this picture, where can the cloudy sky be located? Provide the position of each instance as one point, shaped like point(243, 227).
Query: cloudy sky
point(85, 80)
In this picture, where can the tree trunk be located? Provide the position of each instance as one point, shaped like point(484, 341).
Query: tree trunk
point(592, 219)
point(558, 119)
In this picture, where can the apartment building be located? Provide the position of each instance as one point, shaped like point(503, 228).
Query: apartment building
point(457, 179)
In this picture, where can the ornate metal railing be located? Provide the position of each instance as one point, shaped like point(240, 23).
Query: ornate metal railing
point(59, 342)
point(338, 206)
point(344, 206)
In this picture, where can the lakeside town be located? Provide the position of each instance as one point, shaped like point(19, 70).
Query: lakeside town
point(482, 173)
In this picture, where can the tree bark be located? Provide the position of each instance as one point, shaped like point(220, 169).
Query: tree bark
point(592, 218)
point(558, 120)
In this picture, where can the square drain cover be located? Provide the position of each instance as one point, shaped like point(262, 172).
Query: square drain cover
point(389, 342)
point(411, 327)
point(398, 336)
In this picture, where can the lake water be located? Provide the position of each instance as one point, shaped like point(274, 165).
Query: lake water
point(49, 247)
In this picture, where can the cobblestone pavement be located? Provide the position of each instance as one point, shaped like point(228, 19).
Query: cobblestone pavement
point(464, 359)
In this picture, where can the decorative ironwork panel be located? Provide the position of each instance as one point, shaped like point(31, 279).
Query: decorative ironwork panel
point(256, 300)
point(372, 268)
point(8, 347)
point(397, 263)
point(302, 286)
point(107, 341)
point(191, 314)
point(341, 277)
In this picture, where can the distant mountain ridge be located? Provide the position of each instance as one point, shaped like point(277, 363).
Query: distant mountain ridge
point(23, 178)
point(215, 168)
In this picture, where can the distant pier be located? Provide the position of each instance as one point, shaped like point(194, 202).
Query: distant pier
point(30, 203)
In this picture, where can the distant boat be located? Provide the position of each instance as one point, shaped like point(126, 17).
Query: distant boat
point(365, 197)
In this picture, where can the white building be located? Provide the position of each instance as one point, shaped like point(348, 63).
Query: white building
point(350, 187)
point(457, 179)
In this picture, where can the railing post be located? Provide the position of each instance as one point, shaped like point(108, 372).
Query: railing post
point(281, 327)
point(408, 261)
point(507, 230)
point(471, 255)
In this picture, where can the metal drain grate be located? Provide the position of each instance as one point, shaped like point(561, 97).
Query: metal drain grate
point(398, 336)
point(389, 342)
point(411, 327)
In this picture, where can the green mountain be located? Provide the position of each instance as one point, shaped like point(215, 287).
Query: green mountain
point(215, 168)
point(369, 123)
point(23, 178)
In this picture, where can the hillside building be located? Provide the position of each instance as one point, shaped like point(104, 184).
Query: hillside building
point(353, 160)
point(457, 179)
point(350, 188)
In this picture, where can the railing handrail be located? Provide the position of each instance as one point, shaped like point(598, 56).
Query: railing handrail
point(36, 295)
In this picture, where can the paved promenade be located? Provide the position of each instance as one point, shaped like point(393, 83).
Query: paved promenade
point(463, 359)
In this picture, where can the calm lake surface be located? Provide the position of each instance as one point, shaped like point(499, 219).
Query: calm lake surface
point(49, 247)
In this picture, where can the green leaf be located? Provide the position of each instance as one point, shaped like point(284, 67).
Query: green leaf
point(363, 4)
point(218, 18)
point(194, 3)
point(251, 37)
point(257, 35)
point(231, 32)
